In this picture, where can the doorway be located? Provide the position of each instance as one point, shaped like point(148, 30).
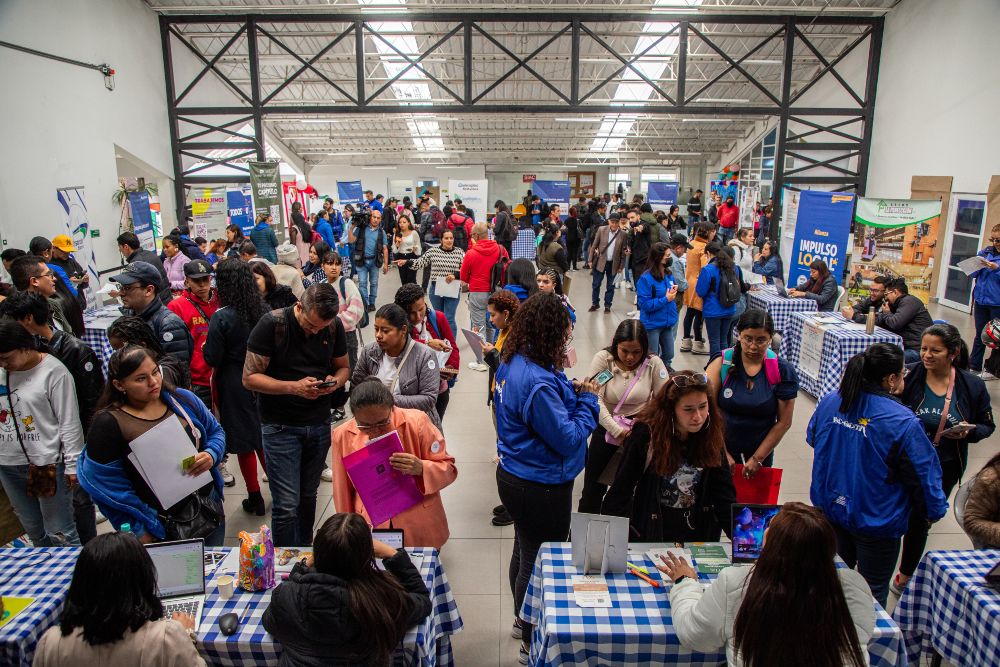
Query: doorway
point(965, 237)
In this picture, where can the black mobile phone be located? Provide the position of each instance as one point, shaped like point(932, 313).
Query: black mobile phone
point(602, 378)
point(326, 383)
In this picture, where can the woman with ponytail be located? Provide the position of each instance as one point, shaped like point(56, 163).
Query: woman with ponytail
point(941, 378)
point(337, 607)
point(872, 463)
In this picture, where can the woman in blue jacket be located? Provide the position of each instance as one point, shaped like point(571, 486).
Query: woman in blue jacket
point(715, 281)
point(656, 292)
point(872, 461)
point(986, 299)
point(821, 287)
point(768, 264)
point(543, 423)
point(264, 239)
point(136, 399)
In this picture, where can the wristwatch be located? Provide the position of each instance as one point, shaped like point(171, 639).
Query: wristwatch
point(680, 579)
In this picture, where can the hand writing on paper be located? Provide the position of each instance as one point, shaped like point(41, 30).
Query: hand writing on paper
point(407, 463)
point(751, 467)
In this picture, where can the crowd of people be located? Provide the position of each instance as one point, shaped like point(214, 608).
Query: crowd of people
point(253, 349)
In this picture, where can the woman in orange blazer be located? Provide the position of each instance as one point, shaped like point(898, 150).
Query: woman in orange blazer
point(696, 260)
point(424, 456)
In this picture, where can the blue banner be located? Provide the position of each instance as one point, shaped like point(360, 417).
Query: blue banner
point(240, 210)
point(349, 192)
point(822, 226)
point(142, 219)
point(553, 192)
point(662, 193)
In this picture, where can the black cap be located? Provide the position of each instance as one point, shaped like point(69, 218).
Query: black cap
point(197, 268)
point(601, 204)
point(614, 216)
point(138, 272)
point(680, 239)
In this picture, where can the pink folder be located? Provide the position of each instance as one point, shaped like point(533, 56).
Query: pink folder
point(384, 491)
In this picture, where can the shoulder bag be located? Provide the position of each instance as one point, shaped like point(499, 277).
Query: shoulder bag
point(621, 420)
point(42, 481)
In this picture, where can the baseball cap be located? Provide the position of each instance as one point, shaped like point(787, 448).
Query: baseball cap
point(196, 268)
point(64, 243)
point(680, 239)
point(614, 216)
point(138, 272)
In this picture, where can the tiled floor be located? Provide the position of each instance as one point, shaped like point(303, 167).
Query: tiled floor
point(477, 554)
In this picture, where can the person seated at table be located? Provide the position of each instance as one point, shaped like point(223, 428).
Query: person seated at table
point(875, 299)
point(821, 287)
point(136, 399)
point(131, 330)
point(674, 481)
point(943, 378)
point(768, 262)
point(338, 608)
point(981, 520)
point(794, 590)
point(424, 456)
point(871, 460)
point(755, 391)
point(113, 615)
point(905, 315)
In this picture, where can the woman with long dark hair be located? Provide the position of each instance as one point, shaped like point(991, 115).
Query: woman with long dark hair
point(637, 374)
point(234, 239)
point(521, 279)
point(406, 246)
point(550, 281)
point(121, 623)
point(551, 253)
point(352, 307)
point(132, 330)
point(655, 294)
point(872, 461)
point(794, 590)
point(715, 284)
point(340, 608)
point(674, 481)
point(275, 296)
point(300, 233)
point(543, 422)
point(225, 351)
point(954, 407)
point(821, 287)
point(768, 262)
point(312, 269)
point(136, 399)
point(444, 262)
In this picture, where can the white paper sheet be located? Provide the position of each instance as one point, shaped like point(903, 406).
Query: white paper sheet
point(443, 288)
point(972, 264)
point(158, 454)
point(475, 343)
point(591, 591)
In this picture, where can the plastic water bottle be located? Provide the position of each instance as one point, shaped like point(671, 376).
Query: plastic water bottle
point(125, 528)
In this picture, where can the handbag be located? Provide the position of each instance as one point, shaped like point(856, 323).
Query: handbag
point(42, 481)
point(622, 420)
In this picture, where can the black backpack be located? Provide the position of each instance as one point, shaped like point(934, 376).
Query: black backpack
point(461, 238)
point(730, 290)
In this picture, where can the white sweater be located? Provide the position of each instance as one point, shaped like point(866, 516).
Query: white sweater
point(744, 260)
point(704, 619)
point(48, 418)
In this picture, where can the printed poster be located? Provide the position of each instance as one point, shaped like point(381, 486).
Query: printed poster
point(350, 192)
point(209, 207)
point(553, 192)
point(472, 192)
point(76, 224)
point(142, 219)
point(265, 182)
point(240, 207)
point(821, 229)
point(811, 349)
point(662, 193)
point(749, 198)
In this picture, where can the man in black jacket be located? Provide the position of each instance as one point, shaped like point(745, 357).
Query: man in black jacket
point(876, 298)
point(132, 251)
point(32, 312)
point(139, 284)
point(904, 314)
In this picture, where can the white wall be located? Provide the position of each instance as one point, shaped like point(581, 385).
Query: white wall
point(59, 125)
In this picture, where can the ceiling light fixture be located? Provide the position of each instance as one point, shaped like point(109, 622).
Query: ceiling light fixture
point(677, 153)
point(318, 120)
point(375, 167)
point(723, 100)
point(578, 120)
point(708, 120)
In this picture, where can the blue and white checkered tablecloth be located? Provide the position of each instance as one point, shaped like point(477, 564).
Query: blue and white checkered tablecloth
point(840, 342)
point(96, 323)
point(948, 608)
point(766, 298)
point(426, 645)
point(637, 630)
point(42, 574)
point(523, 247)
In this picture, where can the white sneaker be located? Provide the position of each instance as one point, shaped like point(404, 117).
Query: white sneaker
point(686, 344)
point(482, 368)
point(632, 314)
point(699, 347)
point(100, 518)
point(986, 376)
point(327, 475)
point(227, 477)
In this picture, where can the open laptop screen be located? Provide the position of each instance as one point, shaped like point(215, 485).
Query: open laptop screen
point(749, 524)
point(180, 567)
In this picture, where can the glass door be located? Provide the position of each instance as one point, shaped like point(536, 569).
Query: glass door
point(965, 238)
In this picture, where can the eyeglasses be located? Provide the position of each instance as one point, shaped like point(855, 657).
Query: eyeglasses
point(371, 427)
point(695, 379)
point(759, 341)
point(993, 240)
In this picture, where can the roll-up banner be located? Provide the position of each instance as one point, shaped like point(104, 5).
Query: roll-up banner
point(265, 181)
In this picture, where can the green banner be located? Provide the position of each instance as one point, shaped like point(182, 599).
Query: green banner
point(896, 212)
point(265, 181)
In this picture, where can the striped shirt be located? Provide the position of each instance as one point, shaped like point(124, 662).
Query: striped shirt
point(441, 262)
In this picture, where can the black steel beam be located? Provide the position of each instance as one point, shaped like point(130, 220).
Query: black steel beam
point(782, 134)
point(258, 116)
point(874, 59)
point(552, 108)
point(168, 76)
point(467, 63)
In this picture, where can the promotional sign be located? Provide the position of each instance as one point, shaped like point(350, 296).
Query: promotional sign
point(350, 192)
point(749, 198)
point(895, 238)
point(821, 225)
point(240, 210)
point(76, 222)
point(663, 193)
point(472, 193)
point(209, 208)
point(554, 192)
point(265, 181)
point(527, 178)
point(142, 219)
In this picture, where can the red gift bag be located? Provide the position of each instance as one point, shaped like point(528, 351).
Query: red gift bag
point(761, 489)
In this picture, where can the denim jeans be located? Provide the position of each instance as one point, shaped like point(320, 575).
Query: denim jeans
point(48, 521)
point(296, 456)
point(449, 306)
point(718, 329)
point(661, 342)
point(368, 283)
point(598, 277)
point(911, 356)
point(983, 314)
point(479, 315)
point(875, 558)
point(726, 234)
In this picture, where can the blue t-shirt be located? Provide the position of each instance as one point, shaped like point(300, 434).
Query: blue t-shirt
point(752, 410)
point(929, 412)
point(371, 241)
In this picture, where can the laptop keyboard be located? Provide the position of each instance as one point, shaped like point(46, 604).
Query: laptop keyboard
point(189, 608)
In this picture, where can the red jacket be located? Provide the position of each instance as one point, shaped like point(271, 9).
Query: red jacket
point(184, 307)
point(478, 264)
point(729, 216)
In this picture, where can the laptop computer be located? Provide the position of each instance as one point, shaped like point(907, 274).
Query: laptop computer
point(749, 523)
point(180, 576)
point(779, 285)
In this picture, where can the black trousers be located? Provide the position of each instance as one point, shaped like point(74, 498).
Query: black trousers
point(541, 514)
point(599, 454)
point(442, 404)
point(915, 539)
point(406, 274)
point(694, 317)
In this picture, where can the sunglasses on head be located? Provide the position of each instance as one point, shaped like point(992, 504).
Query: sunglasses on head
point(695, 379)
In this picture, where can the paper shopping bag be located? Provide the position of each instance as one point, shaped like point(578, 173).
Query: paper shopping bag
point(256, 560)
point(761, 489)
